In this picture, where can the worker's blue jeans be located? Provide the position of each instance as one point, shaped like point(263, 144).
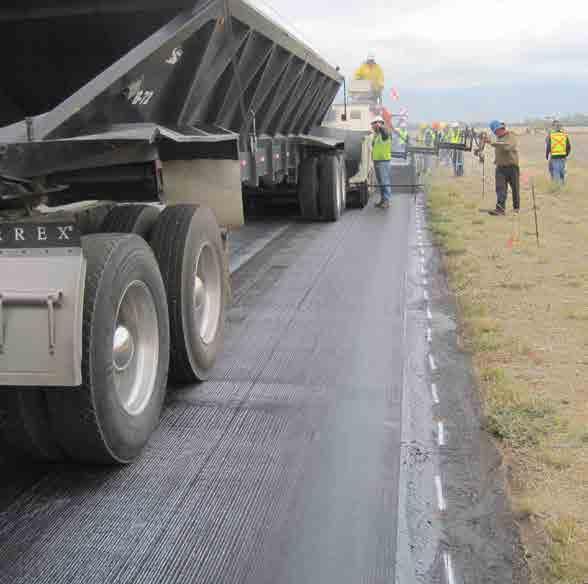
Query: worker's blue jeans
point(457, 163)
point(557, 169)
point(384, 177)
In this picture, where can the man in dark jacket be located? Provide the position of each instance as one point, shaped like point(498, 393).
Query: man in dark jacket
point(557, 150)
point(507, 167)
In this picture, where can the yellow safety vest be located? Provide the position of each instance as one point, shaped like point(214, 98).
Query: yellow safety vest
point(373, 73)
point(559, 143)
point(381, 149)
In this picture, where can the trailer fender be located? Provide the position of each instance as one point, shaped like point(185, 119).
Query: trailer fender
point(215, 184)
point(41, 303)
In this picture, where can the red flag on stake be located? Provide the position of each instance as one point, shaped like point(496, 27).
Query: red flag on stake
point(525, 179)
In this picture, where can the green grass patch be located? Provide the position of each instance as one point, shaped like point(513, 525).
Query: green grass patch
point(565, 567)
point(520, 424)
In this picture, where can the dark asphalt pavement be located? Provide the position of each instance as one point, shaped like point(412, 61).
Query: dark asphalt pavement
point(282, 469)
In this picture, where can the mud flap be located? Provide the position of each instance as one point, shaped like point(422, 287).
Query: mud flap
point(41, 303)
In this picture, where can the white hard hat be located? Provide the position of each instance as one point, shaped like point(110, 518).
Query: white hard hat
point(455, 125)
point(371, 56)
point(378, 120)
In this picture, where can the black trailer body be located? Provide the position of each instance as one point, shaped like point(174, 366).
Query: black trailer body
point(108, 106)
point(188, 80)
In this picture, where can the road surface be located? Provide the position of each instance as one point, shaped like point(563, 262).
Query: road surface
point(309, 457)
point(282, 468)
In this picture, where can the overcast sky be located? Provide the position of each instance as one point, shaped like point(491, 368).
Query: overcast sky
point(432, 47)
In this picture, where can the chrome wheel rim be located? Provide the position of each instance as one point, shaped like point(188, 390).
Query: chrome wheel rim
point(135, 348)
point(343, 186)
point(207, 296)
point(339, 191)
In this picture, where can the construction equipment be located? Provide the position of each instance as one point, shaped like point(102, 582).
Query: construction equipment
point(464, 144)
point(128, 130)
point(351, 124)
point(371, 73)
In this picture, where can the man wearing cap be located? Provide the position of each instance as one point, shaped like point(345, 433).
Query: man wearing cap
point(507, 167)
point(382, 155)
point(558, 148)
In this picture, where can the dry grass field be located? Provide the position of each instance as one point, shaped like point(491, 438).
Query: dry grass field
point(524, 317)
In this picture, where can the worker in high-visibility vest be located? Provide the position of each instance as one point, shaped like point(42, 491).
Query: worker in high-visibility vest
point(401, 137)
point(429, 136)
point(372, 72)
point(422, 131)
point(456, 136)
point(444, 131)
point(428, 141)
point(382, 155)
point(558, 148)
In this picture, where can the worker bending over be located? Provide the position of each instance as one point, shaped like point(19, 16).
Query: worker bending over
point(558, 148)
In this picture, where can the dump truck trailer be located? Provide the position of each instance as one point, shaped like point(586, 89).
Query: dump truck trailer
point(127, 131)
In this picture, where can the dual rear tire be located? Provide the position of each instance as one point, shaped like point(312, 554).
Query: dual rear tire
point(149, 311)
point(322, 188)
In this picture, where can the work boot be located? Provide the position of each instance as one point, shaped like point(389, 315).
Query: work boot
point(385, 204)
point(498, 212)
point(380, 203)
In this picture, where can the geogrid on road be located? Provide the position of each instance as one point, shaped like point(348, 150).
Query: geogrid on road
point(286, 466)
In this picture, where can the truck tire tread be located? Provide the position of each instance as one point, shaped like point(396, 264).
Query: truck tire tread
point(25, 429)
point(329, 195)
point(75, 413)
point(138, 219)
point(308, 188)
point(190, 359)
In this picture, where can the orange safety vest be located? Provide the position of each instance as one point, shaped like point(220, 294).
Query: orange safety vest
point(559, 141)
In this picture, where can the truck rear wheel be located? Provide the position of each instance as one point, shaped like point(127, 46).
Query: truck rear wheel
point(330, 191)
point(90, 220)
point(363, 195)
point(138, 219)
point(308, 188)
point(110, 418)
point(25, 430)
point(343, 178)
point(366, 188)
point(187, 243)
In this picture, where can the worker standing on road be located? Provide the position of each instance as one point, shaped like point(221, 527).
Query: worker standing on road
point(456, 138)
point(422, 132)
point(558, 148)
point(428, 142)
point(507, 167)
point(400, 141)
point(445, 155)
point(429, 136)
point(382, 155)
